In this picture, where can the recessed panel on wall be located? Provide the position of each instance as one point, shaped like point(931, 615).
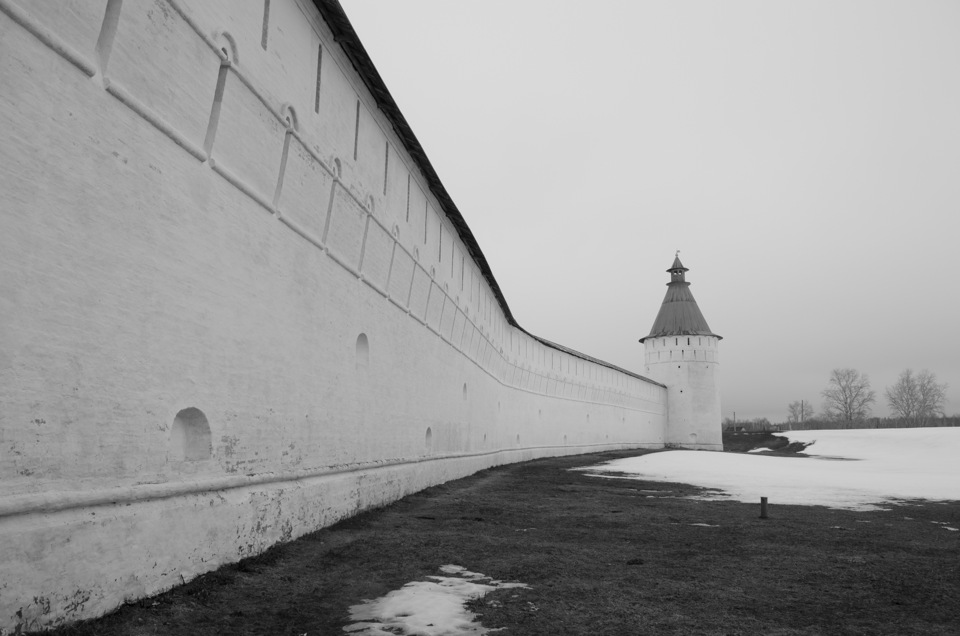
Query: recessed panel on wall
point(369, 153)
point(481, 350)
point(305, 197)
point(447, 318)
point(395, 188)
point(488, 356)
point(77, 22)
point(347, 224)
point(160, 60)
point(400, 274)
point(475, 346)
point(458, 325)
point(249, 138)
point(466, 342)
point(419, 293)
point(435, 306)
point(376, 255)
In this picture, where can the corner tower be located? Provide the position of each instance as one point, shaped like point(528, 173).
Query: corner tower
point(682, 353)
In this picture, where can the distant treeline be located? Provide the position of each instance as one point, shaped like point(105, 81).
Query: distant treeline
point(763, 424)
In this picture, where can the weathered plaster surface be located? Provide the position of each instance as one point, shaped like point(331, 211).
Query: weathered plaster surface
point(189, 226)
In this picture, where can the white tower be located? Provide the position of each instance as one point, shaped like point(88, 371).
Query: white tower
point(682, 353)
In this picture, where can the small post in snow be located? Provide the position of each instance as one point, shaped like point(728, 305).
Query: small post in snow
point(763, 508)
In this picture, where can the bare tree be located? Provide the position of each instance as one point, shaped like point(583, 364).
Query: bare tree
point(799, 411)
point(848, 395)
point(917, 398)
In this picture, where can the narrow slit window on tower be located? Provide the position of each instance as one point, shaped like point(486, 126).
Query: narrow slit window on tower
point(266, 24)
point(408, 197)
point(688, 342)
point(316, 98)
point(440, 244)
point(356, 131)
point(386, 166)
point(426, 213)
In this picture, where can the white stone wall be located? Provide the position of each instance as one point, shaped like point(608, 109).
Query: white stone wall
point(232, 310)
point(690, 368)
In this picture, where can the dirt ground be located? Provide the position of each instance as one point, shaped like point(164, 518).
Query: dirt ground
point(601, 556)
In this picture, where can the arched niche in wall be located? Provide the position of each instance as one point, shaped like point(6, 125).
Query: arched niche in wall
point(363, 350)
point(190, 436)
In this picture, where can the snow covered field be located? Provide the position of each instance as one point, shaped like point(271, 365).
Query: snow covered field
point(861, 469)
point(850, 469)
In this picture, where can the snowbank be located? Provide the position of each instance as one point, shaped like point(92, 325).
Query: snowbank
point(427, 608)
point(852, 469)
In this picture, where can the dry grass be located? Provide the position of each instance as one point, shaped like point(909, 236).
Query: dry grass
point(602, 556)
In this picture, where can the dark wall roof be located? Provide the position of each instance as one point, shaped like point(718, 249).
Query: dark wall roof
point(336, 18)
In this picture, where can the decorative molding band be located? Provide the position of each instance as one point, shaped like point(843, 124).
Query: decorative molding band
point(239, 184)
point(158, 122)
point(48, 502)
point(48, 37)
point(308, 236)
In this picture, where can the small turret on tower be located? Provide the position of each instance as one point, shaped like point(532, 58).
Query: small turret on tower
point(682, 352)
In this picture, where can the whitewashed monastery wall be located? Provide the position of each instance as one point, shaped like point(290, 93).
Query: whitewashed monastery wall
point(233, 310)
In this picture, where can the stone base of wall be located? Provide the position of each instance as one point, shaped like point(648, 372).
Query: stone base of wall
point(80, 562)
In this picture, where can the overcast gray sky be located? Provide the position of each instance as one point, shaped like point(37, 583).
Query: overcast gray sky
point(803, 156)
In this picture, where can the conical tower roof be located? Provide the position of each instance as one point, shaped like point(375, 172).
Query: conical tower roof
point(679, 314)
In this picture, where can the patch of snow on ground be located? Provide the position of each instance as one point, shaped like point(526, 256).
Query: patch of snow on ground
point(885, 465)
point(427, 608)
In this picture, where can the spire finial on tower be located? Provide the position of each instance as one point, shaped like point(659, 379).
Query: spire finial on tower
point(677, 267)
